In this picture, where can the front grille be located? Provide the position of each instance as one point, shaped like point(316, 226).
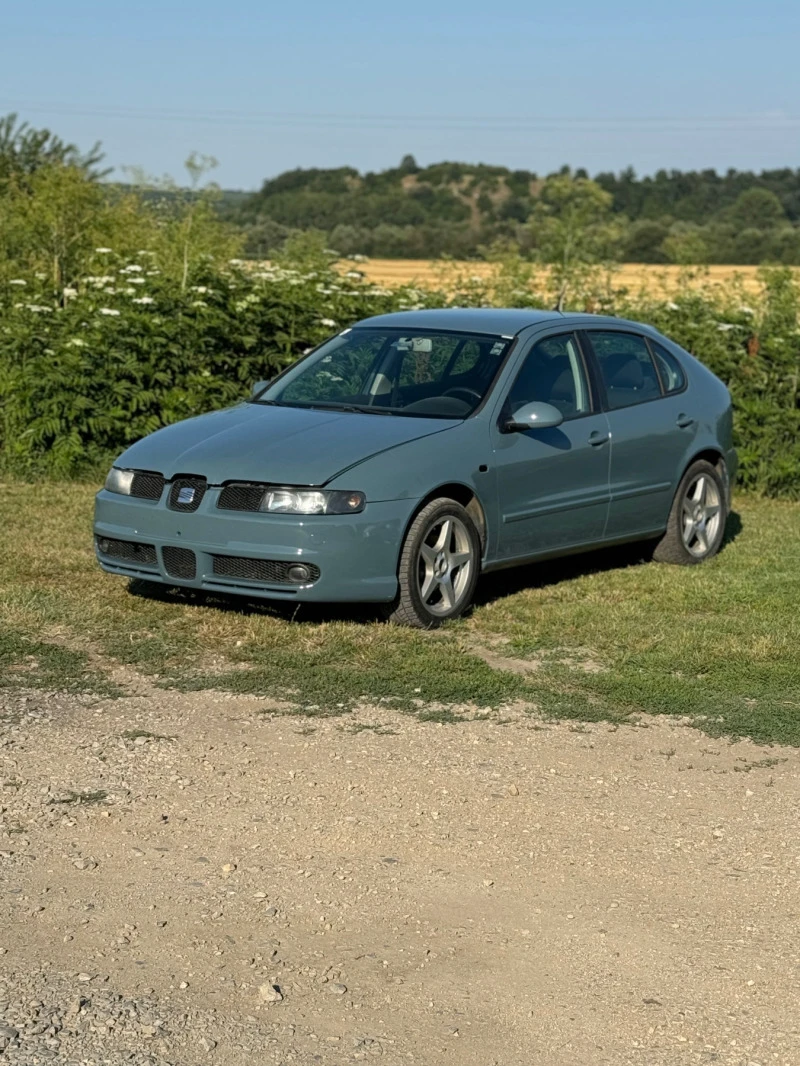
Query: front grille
point(267, 571)
point(179, 562)
point(241, 496)
point(186, 493)
point(147, 484)
point(127, 551)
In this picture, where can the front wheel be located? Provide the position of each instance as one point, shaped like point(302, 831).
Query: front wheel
point(696, 524)
point(439, 566)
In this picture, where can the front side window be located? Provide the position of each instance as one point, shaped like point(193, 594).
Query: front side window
point(433, 373)
point(669, 369)
point(553, 373)
point(626, 368)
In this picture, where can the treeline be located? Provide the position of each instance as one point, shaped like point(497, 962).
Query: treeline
point(460, 210)
point(122, 310)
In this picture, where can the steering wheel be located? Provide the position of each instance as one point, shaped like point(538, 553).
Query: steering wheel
point(472, 394)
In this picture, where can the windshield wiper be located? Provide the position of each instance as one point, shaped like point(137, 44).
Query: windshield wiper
point(350, 408)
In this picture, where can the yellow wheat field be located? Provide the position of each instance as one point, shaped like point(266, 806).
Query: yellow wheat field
point(655, 279)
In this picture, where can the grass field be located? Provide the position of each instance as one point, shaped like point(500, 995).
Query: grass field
point(603, 636)
point(655, 279)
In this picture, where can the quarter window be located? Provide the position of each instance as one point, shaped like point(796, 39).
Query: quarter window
point(669, 369)
point(626, 368)
point(553, 373)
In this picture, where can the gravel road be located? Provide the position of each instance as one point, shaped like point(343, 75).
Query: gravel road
point(196, 879)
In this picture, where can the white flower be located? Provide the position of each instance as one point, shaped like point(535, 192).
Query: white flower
point(39, 309)
point(152, 273)
point(76, 342)
point(200, 288)
point(327, 322)
point(135, 281)
point(70, 292)
point(236, 262)
point(671, 306)
point(40, 276)
point(199, 303)
point(104, 251)
point(17, 281)
point(723, 327)
point(132, 268)
point(746, 310)
point(143, 300)
point(108, 311)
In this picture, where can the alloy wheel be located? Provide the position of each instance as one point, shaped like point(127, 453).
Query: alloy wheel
point(701, 516)
point(445, 565)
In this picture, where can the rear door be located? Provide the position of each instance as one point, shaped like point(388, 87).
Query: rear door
point(552, 484)
point(652, 429)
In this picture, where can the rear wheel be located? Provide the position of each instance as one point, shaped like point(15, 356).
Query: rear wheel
point(439, 566)
point(696, 524)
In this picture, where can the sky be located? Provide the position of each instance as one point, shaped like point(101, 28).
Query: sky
point(266, 87)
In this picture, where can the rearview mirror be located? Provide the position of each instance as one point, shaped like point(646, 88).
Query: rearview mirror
point(533, 416)
point(257, 388)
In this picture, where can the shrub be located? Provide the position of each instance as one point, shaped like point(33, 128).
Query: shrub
point(129, 350)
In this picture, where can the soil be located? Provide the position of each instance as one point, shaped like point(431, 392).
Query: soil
point(201, 878)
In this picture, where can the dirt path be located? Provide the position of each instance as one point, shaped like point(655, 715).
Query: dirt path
point(252, 889)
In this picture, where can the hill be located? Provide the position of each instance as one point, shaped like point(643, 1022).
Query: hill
point(459, 209)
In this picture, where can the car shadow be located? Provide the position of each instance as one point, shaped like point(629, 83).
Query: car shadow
point(501, 583)
point(496, 585)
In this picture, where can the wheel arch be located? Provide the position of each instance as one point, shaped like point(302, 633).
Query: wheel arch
point(463, 494)
point(717, 459)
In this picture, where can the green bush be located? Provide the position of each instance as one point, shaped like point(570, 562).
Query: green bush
point(129, 348)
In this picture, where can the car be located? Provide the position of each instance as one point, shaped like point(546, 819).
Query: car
point(416, 450)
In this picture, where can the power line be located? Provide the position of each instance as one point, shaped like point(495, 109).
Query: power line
point(431, 123)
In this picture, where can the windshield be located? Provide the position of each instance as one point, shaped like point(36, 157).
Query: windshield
point(426, 373)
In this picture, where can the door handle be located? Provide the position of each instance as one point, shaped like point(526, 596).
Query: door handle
point(684, 421)
point(597, 438)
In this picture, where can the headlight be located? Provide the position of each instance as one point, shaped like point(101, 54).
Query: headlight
point(312, 501)
point(119, 481)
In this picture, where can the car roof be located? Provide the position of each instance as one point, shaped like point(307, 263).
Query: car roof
point(499, 321)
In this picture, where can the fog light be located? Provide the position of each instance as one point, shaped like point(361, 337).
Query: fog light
point(299, 573)
point(102, 544)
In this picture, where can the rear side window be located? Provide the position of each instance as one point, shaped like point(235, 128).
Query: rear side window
point(669, 369)
point(626, 368)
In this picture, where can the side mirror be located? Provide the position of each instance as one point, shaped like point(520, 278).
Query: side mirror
point(258, 387)
point(533, 416)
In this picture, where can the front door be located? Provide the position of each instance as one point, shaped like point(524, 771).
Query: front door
point(552, 484)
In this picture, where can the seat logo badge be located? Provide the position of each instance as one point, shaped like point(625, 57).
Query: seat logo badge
point(186, 494)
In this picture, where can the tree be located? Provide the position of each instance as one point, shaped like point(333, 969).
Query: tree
point(758, 209)
point(685, 245)
point(189, 227)
point(572, 230)
point(24, 150)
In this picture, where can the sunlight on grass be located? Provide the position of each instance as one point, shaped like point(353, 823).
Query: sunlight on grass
point(599, 636)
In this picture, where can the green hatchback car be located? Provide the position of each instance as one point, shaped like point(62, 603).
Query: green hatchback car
point(415, 451)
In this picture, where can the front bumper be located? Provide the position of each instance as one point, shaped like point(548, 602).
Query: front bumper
point(356, 554)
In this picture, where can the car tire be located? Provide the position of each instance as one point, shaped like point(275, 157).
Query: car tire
point(696, 525)
point(439, 566)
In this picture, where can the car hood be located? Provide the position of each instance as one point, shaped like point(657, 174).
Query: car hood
point(281, 445)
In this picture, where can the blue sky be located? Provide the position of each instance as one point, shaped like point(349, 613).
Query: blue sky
point(266, 87)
